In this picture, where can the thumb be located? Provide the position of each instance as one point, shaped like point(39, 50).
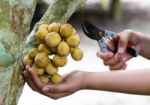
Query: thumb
point(55, 88)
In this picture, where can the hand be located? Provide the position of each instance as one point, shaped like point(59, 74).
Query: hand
point(70, 84)
point(34, 82)
point(118, 60)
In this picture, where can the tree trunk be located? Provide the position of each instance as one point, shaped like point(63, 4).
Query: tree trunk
point(15, 19)
point(115, 10)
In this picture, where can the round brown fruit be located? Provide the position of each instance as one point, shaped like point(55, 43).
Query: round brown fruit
point(32, 52)
point(63, 49)
point(52, 39)
point(56, 78)
point(27, 60)
point(41, 34)
point(54, 27)
point(41, 59)
point(77, 54)
point(38, 70)
point(44, 48)
point(66, 30)
point(50, 68)
point(44, 78)
point(43, 26)
point(59, 61)
point(73, 40)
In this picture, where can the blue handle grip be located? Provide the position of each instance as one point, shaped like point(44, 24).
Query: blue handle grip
point(102, 45)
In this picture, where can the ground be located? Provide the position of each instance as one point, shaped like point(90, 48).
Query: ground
point(136, 16)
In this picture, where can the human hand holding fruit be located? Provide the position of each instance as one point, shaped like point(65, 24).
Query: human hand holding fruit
point(69, 84)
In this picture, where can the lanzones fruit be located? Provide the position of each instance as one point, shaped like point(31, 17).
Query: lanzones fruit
point(56, 42)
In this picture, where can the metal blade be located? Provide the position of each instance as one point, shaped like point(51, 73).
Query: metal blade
point(91, 31)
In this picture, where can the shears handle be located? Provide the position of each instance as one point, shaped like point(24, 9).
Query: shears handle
point(130, 48)
point(102, 45)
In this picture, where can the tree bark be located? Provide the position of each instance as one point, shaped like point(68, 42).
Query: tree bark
point(15, 19)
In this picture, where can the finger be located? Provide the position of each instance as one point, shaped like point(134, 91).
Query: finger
point(27, 67)
point(34, 77)
point(29, 82)
point(57, 95)
point(118, 66)
point(124, 67)
point(123, 41)
point(56, 88)
point(105, 56)
point(125, 57)
point(110, 44)
point(113, 61)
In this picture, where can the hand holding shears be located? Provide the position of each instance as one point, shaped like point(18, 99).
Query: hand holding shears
point(101, 36)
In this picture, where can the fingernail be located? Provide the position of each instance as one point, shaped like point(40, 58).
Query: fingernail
point(27, 66)
point(25, 73)
point(121, 50)
point(21, 78)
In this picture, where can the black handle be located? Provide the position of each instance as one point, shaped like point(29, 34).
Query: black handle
point(133, 51)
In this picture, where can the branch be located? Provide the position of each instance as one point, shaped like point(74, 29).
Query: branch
point(60, 11)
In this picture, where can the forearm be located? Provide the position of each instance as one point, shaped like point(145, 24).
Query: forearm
point(134, 82)
point(144, 45)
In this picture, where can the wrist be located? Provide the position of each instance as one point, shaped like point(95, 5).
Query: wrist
point(85, 81)
point(90, 80)
point(143, 40)
point(136, 40)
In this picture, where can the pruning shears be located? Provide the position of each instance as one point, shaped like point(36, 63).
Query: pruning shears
point(100, 35)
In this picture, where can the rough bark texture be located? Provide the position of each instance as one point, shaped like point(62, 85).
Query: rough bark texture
point(15, 19)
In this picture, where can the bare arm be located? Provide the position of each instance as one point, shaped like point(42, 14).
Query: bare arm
point(144, 45)
point(124, 81)
point(134, 82)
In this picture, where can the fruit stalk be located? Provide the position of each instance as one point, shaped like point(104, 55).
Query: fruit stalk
point(60, 11)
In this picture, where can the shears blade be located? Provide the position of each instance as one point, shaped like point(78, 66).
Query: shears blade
point(99, 34)
point(92, 31)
